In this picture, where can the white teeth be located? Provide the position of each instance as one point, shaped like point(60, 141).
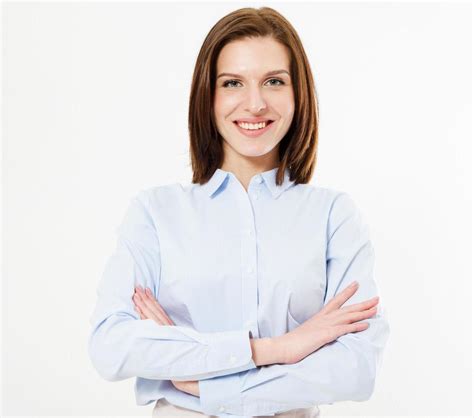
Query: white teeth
point(252, 126)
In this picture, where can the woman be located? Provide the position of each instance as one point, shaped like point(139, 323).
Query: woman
point(248, 266)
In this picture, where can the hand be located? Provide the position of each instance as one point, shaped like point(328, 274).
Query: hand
point(188, 386)
point(327, 325)
point(149, 308)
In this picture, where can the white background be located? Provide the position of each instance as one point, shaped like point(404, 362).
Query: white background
point(95, 108)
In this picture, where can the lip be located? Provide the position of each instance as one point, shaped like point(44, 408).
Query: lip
point(253, 120)
point(256, 132)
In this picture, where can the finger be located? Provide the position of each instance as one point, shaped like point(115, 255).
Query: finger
point(150, 314)
point(151, 305)
point(137, 303)
point(350, 328)
point(141, 308)
point(362, 305)
point(158, 306)
point(358, 316)
point(337, 301)
point(154, 305)
point(139, 312)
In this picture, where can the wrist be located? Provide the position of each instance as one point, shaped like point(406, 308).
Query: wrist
point(282, 347)
point(267, 351)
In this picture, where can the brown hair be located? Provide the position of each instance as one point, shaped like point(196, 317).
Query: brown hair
point(298, 148)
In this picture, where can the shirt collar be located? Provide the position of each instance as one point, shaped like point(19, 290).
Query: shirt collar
point(221, 178)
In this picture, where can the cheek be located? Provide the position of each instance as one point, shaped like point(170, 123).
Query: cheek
point(285, 105)
point(225, 103)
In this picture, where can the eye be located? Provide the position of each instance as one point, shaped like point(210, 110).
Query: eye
point(277, 79)
point(226, 83)
point(232, 83)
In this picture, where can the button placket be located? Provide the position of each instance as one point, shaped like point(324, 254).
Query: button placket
point(248, 258)
point(256, 193)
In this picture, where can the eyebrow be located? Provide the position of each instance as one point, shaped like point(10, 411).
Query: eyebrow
point(274, 72)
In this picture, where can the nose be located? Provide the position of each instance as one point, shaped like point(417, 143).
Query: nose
point(255, 102)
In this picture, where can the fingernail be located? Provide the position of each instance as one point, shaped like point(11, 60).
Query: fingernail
point(354, 283)
point(148, 291)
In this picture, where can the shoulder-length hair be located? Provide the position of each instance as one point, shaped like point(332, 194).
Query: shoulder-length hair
point(298, 148)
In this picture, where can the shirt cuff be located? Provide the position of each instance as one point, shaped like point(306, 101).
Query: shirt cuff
point(222, 392)
point(231, 351)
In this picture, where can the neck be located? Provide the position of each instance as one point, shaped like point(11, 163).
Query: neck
point(246, 168)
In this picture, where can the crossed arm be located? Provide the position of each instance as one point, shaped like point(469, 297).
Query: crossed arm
point(342, 368)
point(264, 350)
point(327, 325)
point(342, 365)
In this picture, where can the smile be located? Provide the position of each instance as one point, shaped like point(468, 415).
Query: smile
point(253, 129)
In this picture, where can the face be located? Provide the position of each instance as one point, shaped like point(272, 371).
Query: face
point(253, 84)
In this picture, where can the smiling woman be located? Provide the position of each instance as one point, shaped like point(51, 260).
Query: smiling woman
point(257, 92)
point(252, 68)
point(250, 265)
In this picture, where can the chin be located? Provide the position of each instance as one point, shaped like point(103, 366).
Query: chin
point(257, 151)
point(249, 147)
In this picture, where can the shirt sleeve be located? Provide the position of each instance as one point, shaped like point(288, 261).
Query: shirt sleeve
point(121, 345)
point(343, 370)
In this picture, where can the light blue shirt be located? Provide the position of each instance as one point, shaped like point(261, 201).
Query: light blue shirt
point(228, 265)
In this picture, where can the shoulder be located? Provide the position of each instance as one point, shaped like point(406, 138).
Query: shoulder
point(166, 198)
point(144, 204)
point(342, 210)
point(336, 205)
point(161, 193)
point(324, 194)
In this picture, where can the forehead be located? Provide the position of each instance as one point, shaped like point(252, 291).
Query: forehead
point(253, 55)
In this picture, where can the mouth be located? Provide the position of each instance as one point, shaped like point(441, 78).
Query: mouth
point(253, 129)
point(253, 125)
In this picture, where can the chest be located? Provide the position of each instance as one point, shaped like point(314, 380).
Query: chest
point(210, 256)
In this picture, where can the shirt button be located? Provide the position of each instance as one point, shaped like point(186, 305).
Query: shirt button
point(232, 359)
point(260, 179)
point(221, 409)
point(249, 232)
